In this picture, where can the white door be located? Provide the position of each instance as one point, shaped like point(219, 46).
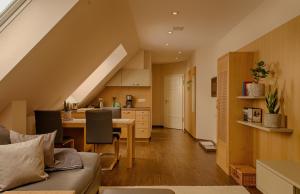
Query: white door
point(173, 101)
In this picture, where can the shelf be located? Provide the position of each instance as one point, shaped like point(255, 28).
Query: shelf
point(268, 129)
point(251, 97)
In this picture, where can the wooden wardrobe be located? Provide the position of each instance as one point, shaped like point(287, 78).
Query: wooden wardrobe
point(234, 141)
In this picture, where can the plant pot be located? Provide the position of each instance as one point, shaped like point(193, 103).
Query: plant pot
point(272, 120)
point(255, 89)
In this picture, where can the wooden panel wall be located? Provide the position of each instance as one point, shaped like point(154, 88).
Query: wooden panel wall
point(281, 47)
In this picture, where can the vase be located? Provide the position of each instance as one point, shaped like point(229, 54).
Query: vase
point(272, 120)
point(256, 89)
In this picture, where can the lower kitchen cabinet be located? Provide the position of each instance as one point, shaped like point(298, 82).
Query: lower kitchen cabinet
point(142, 123)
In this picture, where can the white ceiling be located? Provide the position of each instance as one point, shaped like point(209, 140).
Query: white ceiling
point(204, 21)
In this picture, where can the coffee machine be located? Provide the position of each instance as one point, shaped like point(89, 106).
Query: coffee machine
point(129, 101)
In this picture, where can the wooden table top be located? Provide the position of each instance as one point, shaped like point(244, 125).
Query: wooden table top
point(116, 121)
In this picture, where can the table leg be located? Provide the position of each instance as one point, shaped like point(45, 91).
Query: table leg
point(129, 146)
point(133, 141)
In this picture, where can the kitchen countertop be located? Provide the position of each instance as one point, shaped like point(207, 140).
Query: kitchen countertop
point(137, 109)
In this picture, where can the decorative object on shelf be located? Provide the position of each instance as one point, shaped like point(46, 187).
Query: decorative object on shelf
point(245, 114)
point(244, 88)
point(250, 114)
point(259, 72)
point(257, 115)
point(272, 118)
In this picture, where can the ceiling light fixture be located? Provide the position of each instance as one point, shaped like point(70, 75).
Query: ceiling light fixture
point(174, 12)
point(167, 44)
point(180, 52)
point(170, 32)
point(176, 58)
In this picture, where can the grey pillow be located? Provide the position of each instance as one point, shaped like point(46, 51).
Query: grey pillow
point(21, 163)
point(4, 136)
point(48, 144)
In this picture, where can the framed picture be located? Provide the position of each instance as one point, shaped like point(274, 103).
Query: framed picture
point(214, 87)
point(250, 114)
point(256, 115)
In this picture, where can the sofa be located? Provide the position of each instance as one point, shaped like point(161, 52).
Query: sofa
point(82, 181)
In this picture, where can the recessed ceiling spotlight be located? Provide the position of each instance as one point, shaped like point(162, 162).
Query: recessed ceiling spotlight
point(180, 52)
point(170, 32)
point(176, 58)
point(174, 12)
point(167, 44)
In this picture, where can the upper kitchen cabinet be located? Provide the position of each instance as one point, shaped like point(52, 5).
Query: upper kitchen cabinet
point(116, 80)
point(136, 73)
point(136, 77)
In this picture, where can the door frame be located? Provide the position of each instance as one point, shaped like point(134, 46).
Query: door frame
point(182, 76)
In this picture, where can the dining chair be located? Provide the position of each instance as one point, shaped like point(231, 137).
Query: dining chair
point(116, 114)
point(99, 130)
point(47, 121)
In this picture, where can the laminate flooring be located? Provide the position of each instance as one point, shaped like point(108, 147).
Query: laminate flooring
point(172, 157)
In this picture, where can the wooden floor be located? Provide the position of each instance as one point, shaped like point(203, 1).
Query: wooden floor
point(170, 158)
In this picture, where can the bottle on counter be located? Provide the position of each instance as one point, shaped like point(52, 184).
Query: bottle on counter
point(101, 103)
point(115, 103)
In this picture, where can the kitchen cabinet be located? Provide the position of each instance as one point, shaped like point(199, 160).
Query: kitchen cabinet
point(142, 122)
point(136, 77)
point(131, 77)
point(116, 80)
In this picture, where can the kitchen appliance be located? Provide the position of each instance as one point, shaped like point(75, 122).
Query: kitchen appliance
point(129, 101)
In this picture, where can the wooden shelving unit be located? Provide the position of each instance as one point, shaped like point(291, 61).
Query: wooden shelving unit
point(263, 128)
point(251, 97)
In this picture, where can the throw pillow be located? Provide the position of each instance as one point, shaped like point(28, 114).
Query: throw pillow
point(48, 144)
point(21, 163)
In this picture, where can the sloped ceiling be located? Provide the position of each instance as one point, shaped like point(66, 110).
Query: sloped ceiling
point(69, 53)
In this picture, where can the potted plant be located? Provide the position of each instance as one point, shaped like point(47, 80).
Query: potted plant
point(259, 72)
point(272, 118)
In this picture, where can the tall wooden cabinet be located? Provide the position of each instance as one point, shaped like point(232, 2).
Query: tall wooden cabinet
point(234, 142)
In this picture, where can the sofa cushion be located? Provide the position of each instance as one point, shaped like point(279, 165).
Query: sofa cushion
point(49, 138)
point(137, 191)
point(21, 163)
point(78, 180)
point(4, 136)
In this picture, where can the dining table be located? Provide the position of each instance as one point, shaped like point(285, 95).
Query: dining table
point(74, 124)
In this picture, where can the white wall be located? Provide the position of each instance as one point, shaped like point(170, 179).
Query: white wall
point(269, 15)
point(28, 28)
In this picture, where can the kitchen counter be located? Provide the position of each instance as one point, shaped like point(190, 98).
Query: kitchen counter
point(137, 109)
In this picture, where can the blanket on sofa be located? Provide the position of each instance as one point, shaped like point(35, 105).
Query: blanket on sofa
point(66, 159)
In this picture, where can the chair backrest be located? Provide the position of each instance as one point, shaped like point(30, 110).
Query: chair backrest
point(99, 127)
point(47, 122)
point(116, 112)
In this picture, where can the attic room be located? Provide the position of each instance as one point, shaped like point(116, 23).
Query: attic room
point(142, 97)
